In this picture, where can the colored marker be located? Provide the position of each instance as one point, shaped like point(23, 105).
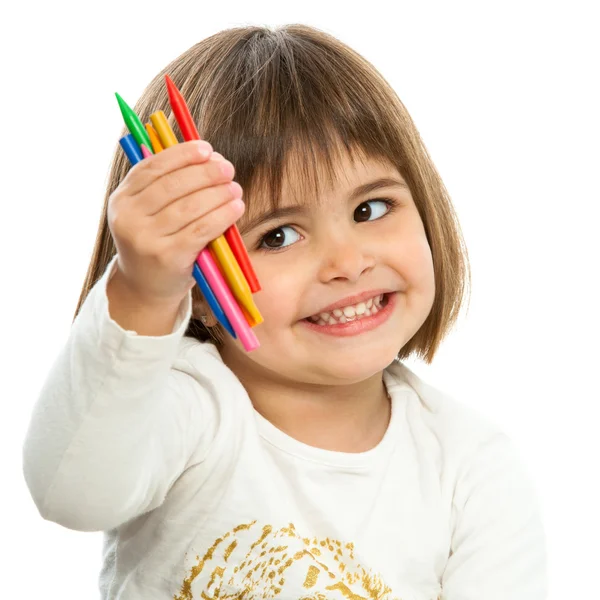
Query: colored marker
point(235, 278)
point(155, 141)
point(212, 301)
point(182, 112)
point(247, 316)
point(132, 150)
point(133, 123)
point(234, 239)
point(204, 285)
point(165, 133)
point(189, 132)
point(251, 321)
point(227, 301)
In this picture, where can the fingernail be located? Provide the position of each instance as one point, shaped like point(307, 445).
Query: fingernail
point(238, 204)
point(204, 148)
point(227, 168)
point(236, 189)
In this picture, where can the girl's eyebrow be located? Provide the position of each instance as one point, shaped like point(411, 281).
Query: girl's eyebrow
point(296, 209)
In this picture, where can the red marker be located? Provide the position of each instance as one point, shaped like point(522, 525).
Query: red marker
point(182, 112)
point(189, 132)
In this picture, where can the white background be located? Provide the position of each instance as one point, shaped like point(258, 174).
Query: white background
point(506, 98)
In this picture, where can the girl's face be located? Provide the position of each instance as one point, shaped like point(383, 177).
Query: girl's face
point(363, 238)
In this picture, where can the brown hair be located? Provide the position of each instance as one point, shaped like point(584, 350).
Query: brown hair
point(262, 97)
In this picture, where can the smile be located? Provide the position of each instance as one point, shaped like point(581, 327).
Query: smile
point(356, 319)
point(347, 314)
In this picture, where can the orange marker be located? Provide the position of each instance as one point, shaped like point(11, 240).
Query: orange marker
point(247, 316)
point(156, 145)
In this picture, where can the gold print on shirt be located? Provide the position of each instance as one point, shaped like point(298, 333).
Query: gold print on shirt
point(248, 563)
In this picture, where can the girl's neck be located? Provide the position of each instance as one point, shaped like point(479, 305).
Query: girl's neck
point(351, 418)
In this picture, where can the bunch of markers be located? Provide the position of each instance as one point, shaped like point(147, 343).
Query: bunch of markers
point(222, 270)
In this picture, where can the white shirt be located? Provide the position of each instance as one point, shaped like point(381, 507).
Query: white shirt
point(155, 441)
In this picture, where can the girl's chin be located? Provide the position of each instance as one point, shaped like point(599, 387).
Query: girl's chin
point(349, 370)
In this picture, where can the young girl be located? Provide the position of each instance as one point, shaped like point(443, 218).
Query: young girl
point(317, 466)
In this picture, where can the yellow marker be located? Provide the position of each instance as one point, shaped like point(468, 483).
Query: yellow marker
point(235, 278)
point(156, 145)
point(163, 129)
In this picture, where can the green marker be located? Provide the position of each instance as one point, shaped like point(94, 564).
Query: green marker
point(134, 124)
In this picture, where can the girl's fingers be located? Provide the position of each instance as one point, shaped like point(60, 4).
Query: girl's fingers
point(197, 205)
point(176, 157)
point(199, 233)
point(181, 183)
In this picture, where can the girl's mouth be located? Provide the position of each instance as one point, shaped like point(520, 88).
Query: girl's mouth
point(356, 312)
point(355, 319)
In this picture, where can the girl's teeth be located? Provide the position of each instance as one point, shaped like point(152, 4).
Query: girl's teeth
point(350, 313)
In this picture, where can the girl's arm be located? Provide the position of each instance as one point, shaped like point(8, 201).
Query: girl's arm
point(498, 543)
point(114, 425)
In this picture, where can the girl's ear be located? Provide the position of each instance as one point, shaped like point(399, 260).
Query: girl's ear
point(201, 310)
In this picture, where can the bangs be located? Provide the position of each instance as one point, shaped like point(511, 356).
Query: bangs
point(299, 175)
point(285, 106)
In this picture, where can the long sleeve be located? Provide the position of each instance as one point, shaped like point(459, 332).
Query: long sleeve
point(114, 425)
point(498, 543)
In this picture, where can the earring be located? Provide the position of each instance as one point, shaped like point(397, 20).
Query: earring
point(204, 319)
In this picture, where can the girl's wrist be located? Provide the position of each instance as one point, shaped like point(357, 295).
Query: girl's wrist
point(137, 312)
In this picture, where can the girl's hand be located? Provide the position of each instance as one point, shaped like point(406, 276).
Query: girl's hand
point(164, 212)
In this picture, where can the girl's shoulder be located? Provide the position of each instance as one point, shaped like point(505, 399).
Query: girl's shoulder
point(452, 422)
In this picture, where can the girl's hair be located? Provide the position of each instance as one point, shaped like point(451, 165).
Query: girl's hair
point(268, 98)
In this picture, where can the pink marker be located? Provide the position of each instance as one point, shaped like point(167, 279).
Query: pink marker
point(230, 307)
point(145, 152)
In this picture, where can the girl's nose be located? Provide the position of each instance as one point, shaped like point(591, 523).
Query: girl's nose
point(344, 258)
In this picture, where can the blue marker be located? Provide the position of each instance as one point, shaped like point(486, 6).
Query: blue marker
point(132, 150)
point(212, 300)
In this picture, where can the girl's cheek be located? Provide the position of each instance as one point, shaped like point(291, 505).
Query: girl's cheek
point(280, 296)
point(418, 262)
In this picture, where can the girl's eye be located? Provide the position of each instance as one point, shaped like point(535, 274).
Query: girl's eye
point(274, 240)
point(370, 210)
point(364, 211)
